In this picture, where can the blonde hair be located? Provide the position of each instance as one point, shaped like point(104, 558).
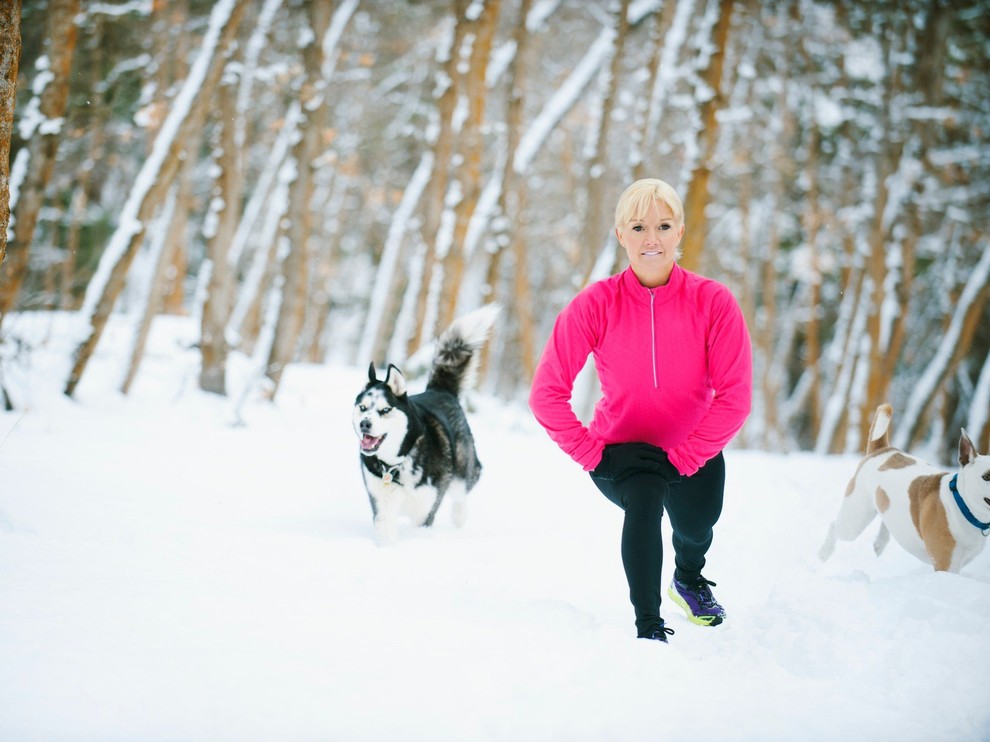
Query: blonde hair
point(637, 199)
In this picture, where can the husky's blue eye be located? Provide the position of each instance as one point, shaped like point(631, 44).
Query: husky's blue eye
point(386, 410)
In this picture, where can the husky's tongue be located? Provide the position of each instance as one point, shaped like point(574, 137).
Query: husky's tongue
point(370, 443)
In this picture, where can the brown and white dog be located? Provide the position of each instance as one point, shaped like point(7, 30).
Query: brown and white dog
point(941, 518)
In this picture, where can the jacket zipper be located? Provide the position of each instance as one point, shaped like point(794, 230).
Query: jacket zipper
point(653, 340)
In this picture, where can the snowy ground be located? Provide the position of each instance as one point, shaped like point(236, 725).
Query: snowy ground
point(165, 575)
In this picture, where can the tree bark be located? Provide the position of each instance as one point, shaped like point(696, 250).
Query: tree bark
point(472, 149)
point(951, 350)
point(696, 193)
point(449, 80)
point(224, 214)
point(596, 228)
point(295, 269)
point(41, 147)
point(517, 323)
point(10, 57)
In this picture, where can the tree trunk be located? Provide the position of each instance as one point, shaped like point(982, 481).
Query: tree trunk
point(646, 132)
point(10, 57)
point(37, 158)
point(172, 43)
point(295, 269)
point(154, 180)
point(951, 350)
point(222, 219)
point(696, 193)
point(449, 82)
point(472, 148)
point(596, 229)
point(516, 328)
point(156, 289)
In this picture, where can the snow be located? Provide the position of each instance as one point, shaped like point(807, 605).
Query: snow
point(166, 575)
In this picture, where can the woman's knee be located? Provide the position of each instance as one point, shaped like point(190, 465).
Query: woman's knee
point(645, 500)
point(638, 493)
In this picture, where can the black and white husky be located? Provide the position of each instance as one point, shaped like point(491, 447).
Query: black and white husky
point(416, 449)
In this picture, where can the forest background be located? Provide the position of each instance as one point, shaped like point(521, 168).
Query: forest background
point(335, 181)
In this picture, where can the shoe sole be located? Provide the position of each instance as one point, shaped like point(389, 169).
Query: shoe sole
point(699, 620)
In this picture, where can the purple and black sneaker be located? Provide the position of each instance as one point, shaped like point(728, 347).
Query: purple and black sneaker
point(696, 598)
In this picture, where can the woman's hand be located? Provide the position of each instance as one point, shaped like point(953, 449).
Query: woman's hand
point(622, 460)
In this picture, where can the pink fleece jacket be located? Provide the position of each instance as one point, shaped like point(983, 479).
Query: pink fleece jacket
point(674, 363)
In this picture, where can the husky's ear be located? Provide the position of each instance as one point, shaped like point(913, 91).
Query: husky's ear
point(967, 451)
point(396, 381)
point(371, 373)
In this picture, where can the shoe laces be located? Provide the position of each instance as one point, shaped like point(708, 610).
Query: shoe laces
point(662, 633)
point(702, 589)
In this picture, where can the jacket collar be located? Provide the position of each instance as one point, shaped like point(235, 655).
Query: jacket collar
point(659, 294)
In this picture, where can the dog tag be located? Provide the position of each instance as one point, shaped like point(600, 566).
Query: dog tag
point(387, 477)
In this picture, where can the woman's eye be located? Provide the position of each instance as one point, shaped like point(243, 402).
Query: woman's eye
point(638, 228)
point(664, 227)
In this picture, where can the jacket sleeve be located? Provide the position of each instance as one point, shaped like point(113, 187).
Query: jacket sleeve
point(730, 369)
point(572, 340)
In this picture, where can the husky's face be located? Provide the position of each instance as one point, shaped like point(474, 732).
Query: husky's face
point(378, 416)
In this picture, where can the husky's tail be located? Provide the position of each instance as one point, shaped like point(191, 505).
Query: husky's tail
point(455, 359)
point(880, 429)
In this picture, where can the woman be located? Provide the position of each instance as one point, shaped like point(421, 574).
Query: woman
point(675, 365)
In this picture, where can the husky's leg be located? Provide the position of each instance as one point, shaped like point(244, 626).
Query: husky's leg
point(421, 504)
point(386, 526)
point(458, 499)
point(387, 509)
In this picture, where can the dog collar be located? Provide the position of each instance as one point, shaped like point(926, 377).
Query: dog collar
point(387, 473)
point(967, 513)
point(391, 474)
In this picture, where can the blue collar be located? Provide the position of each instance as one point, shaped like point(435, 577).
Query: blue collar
point(967, 513)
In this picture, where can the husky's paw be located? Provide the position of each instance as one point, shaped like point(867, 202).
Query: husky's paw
point(386, 532)
point(459, 513)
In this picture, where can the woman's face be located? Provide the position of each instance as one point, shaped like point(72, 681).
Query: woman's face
point(651, 242)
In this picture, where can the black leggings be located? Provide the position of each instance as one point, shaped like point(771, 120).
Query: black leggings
point(693, 505)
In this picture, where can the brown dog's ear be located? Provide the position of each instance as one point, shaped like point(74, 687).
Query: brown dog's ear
point(967, 451)
point(371, 373)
